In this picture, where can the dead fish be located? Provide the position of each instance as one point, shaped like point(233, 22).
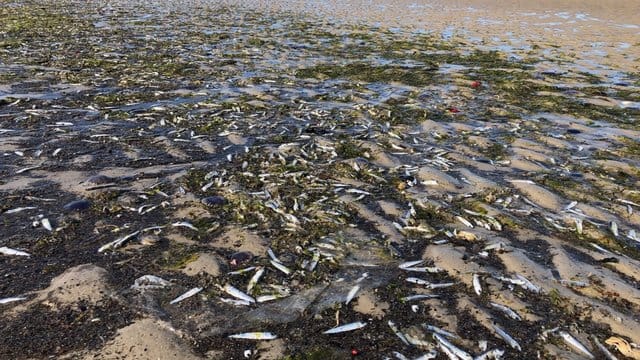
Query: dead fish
point(575, 344)
point(118, 242)
point(614, 228)
point(396, 331)
point(28, 169)
point(186, 295)
point(254, 279)
point(432, 354)
point(347, 327)
point(427, 284)
point(254, 336)
point(509, 340)
point(280, 267)
point(184, 224)
point(11, 299)
point(242, 271)
point(231, 290)
point(352, 293)
point(528, 284)
point(464, 221)
point(603, 349)
point(418, 297)
point(20, 209)
point(449, 347)
point(507, 310)
point(437, 330)
point(235, 302)
point(409, 264)
point(476, 284)
point(12, 252)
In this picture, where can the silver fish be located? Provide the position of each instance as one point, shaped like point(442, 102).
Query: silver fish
point(184, 224)
point(445, 344)
point(507, 310)
point(8, 251)
point(255, 278)
point(46, 224)
point(118, 242)
point(476, 284)
point(20, 209)
point(352, 293)
point(396, 331)
point(150, 282)
point(347, 327)
point(254, 336)
point(409, 264)
point(11, 299)
point(186, 295)
point(280, 267)
point(575, 344)
point(418, 297)
point(437, 330)
point(511, 341)
point(235, 302)
point(229, 289)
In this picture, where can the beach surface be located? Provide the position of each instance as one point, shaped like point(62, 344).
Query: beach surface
point(319, 180)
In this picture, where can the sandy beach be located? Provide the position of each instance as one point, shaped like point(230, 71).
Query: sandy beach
point(320, 180)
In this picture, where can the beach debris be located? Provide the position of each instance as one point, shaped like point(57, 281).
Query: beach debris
point(428, 284)
point(624, 347)
point(239, 258)
point(419, 297)
point(437, 330)
point(603, 349)
point(184, 224)
point(347, 327)
point(491, 354)
point(46, 224)
point(352, 293)
point(254, 336)
point(186, 295)
point(281, 267)
point(214, 201)
point(12, 252)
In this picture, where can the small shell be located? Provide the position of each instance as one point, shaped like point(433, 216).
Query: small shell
point(214, 200)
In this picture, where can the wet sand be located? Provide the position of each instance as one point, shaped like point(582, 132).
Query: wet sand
point(597, 33)
point(196, 181)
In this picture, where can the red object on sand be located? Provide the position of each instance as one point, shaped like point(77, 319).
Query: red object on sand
point(475, 84)
point(354, 352)
point(453, 110)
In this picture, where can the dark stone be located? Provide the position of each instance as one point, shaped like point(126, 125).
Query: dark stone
point(77, 205)
point(214, 200)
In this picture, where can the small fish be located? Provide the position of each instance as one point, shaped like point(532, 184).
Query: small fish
point(437, 330)
point(432, 354)
point(445, 344)
point(347, 327)
point(184, 224)
point(511, 341)
point(603, 349)
point(418, 297)
point(186, 295)
point(507, 310)
point(409, 264)
point(255, 278)
point(11, 299)
point(614, 228)
point(528, 284)
point(280, 267)
point(12, 252)
point(254, 336)
point(396, 331)
point(476, 284)
point(150, 282)
point(352, 293)
point(231, 290)
point(20, 209)
point(399, 356)
point(235, 302)
point(28, 169)
point(464, 221)
point(118, 242)
point(242, 271)
point(265, 298)
point(575, 344)
point(571, 205)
